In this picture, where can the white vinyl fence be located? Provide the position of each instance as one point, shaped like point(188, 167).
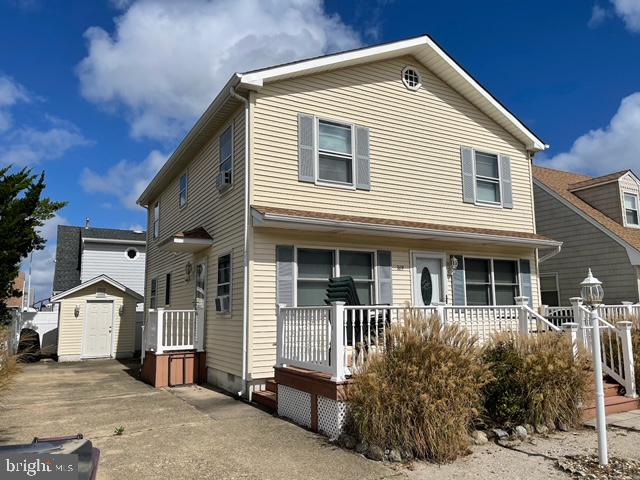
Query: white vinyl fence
point(44, 323)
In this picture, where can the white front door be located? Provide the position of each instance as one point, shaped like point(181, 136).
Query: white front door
point(427, 280)
point(97, 329)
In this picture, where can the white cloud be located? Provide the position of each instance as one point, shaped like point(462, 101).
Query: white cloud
point(28, 146)
point(166, 60)
point(43, 261)
point(11, 93)
point(629, 11)
point(125, 180)
point(609, 149)
point(598, 16)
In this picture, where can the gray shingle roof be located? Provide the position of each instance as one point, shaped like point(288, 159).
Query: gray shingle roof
point(69, 248)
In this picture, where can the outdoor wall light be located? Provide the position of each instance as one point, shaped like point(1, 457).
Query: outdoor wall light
point(121, 310)
point(76, 311)
point(452, 265)
point(591, 290)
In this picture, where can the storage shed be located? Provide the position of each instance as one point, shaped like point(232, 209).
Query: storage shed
point(97, 319)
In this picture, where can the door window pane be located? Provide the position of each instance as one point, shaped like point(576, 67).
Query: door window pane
point(335, 169)
point(426, 286)
point(488, 191)
point(335, 137)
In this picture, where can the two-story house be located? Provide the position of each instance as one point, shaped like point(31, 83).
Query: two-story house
point(597, 219)
point(390, 164)
point(98, 284)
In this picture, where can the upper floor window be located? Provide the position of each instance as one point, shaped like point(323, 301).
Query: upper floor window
point(182, 196)
point(487, 177)
point(226, 158)
point(156, 220)
point(223, 300)
point(631, 208)
point(335, 153)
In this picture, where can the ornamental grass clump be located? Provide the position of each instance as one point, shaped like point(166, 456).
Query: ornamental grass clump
point(421, 395)
point(536, 380)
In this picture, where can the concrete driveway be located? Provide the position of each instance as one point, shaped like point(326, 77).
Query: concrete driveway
point(188, 432)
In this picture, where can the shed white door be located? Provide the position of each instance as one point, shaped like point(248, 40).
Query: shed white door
point(427, 280)
point(97, 329)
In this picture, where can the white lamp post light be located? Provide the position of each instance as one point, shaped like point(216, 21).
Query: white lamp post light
point(592, 294)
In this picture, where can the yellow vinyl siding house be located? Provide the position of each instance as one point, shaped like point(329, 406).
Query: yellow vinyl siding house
point(389, 165)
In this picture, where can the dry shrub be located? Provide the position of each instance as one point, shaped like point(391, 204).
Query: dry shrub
point(536, 379)
point(422, 394)
point(8, 364)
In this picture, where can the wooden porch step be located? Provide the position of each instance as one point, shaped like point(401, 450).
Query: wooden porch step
point(267, 399)
point(271, 385)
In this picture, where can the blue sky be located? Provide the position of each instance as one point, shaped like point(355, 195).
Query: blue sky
point(98, 93)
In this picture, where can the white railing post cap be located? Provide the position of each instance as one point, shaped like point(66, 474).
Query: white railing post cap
point(570, 326)
point(337, 302)
point(624, 325)
point(521, 300)
point(576, 300)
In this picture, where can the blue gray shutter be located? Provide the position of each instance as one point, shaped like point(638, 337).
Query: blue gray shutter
point(525, 280)
point(385, 285)
point(306, 148)
point(363, 160)
point(468, 177)
point(284, 275)
point(457, 281)
point(505, 179)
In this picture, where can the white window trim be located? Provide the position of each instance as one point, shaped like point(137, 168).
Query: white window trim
point(484, 203)
point(557, 282)
point(151, 296)
point(316, 133)
point(624, 209)
point(231, 128)
point(414, 88)
point(491, 274)
point(186, 190)
point(155, 221)
point(224, 254)
point(336, 265)
point(126, 251)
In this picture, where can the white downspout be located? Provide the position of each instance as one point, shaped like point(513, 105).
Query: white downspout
point(245, 266)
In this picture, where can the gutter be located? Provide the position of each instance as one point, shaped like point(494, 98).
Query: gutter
point(245, 261)
point(549, 255)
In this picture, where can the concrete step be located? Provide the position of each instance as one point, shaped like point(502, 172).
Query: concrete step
point(272, 386)
point(266, 398)
point(612, 404)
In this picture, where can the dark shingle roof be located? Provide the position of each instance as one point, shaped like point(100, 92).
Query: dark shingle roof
point(69, 248)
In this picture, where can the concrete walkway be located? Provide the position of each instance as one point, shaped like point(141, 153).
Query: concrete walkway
point(185, 433)
point(626, 421)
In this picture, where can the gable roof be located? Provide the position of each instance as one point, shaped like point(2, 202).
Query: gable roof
point(93, 281)
point(562, 183)
point(595, 181)
point(422, 47)
point(69, 248)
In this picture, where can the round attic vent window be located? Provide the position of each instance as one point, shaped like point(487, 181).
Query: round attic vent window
point(411, 78)
point(131, 253)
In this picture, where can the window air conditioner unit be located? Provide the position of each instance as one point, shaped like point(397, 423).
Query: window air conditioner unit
point(222, 303)
point(224, 179)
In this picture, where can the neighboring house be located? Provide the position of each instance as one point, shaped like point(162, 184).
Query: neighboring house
point(390, 164)
point(98, 282)
point(19, 302)
point(597, 220)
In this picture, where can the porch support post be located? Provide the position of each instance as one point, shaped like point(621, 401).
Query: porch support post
point(624, 328)
point(143, 343)
point(442, 313)
point(159, 330)
point(337, 341)
point(279, 335)
point(571, 328)
point(523, 315)
point(628, 307)
point(199, 331)
point(578, 317)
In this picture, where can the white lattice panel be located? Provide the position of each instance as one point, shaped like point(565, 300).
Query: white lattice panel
point(295, 405)
point(331, 415)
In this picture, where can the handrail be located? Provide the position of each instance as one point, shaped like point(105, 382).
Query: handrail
point(540, 318)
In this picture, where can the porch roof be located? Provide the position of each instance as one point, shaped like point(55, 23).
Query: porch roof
point(192, 240)
point(322, 221)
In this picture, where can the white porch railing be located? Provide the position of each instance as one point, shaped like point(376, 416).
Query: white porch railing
point(310, 337)
point(168, 330)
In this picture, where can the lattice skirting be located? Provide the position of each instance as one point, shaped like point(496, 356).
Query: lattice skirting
point(295, 405)
point(331, 415)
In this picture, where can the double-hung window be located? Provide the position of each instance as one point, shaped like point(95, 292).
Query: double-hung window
point(316, 266)
point(156, 220)
point(153, 296)
point(491, 282)
point(631, 209)
point(182, 196)
point(549, 291)
point(335, 153)
point(487, 178)
point(226, 158)
point(224, 282)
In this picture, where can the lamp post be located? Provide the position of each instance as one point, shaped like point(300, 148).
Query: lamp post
point(592, 293)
